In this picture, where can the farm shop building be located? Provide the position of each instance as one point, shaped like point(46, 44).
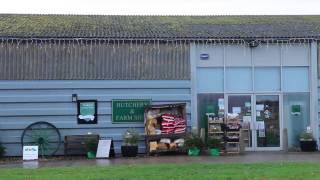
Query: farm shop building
point(264, 65)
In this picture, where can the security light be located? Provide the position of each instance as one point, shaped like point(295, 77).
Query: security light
point(74, 97)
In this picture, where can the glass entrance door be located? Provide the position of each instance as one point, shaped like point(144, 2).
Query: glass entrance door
point(260, 120)
point(267, 122)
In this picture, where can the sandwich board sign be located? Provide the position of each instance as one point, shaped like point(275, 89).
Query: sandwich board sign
point(105, 148)
point(30, 153)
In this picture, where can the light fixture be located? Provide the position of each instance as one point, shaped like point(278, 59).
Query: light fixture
point(74, 97)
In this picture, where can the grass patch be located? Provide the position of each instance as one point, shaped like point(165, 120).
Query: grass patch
point(172, 171)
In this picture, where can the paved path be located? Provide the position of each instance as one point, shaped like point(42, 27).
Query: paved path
point(250, 157)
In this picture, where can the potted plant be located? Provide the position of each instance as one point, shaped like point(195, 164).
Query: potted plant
point(193, 143)
point(130, 143)
point(2, 150)
point(91, 147)
point(214, 144)
point(307, 142)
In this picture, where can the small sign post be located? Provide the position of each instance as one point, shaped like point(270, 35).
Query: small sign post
point(105, 148)
point(30, 153)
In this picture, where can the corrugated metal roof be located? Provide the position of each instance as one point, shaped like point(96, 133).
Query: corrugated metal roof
point(158, 27)
point(95, 61)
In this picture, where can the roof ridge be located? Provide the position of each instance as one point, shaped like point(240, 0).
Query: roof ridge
point(158, 26)
point(159, 15)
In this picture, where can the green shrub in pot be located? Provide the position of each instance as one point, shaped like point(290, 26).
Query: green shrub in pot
point(2, 150)
point(130, 143)
point(306, 136)
point(91, 147)
point(307, 141)
point(193, 143)
point(214, 145)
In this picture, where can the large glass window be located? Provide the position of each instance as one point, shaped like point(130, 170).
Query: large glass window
point(296, 116)
point(239, 79)
point(267, 79)
point(295, 79)
point(210, 80)
point(208, 103)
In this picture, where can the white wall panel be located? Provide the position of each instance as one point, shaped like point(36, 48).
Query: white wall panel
point(295, 55)
point(237, 55)
point(266, 55)
point(215, 55)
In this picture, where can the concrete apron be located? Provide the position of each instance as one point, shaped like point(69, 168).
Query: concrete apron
point(249, 157)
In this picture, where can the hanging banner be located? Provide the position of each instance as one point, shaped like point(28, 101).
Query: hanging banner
point(87, 112)
point(129, 111)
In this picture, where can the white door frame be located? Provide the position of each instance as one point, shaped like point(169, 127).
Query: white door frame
point(256, 148)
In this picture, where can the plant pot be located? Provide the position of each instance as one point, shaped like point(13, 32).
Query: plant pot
point(129, 151)
point(91, 155)
point(214, 152)
point(194, 151)
point(308, 146)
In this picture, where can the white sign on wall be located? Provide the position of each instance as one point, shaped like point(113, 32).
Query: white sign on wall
point(103, 150)
point(30, 152)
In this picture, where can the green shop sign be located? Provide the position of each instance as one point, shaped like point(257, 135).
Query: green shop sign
point(128, 111)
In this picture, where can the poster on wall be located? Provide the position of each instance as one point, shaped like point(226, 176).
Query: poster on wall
point(236, 110)
point(296, 110)
point(221, 103)
point(129, 110)
point(87, 112)
point(259, 107)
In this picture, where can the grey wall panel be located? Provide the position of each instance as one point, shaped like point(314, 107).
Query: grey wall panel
point(318, 91)
point(25, 102)
point(105, 97)
point(63, 122)
point(93, 60)
point(318, 62)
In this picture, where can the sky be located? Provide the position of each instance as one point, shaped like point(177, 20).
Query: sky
point(162, 7)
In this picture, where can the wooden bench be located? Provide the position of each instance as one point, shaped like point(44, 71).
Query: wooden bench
point(75, 144)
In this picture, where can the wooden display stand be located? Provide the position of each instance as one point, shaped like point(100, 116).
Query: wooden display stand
point(232, 134)
point(75, 144)
point(216, 129)
point(152, 139)
point(245, 133)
